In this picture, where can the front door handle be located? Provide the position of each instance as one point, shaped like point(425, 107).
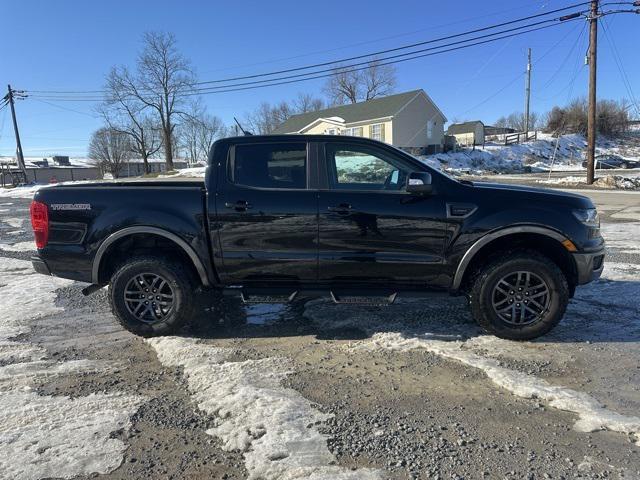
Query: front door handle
point(342, 209)
point(239, 206)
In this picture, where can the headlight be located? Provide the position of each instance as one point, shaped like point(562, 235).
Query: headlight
point(588, 216)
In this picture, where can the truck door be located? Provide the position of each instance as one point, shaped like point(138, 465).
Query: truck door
point(266, 218)
point(370, 228)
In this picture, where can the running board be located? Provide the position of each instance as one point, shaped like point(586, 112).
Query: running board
point(246, 298)
point(374, 301)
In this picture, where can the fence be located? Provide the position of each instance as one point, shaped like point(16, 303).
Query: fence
point(50, 174)
point(519, 137)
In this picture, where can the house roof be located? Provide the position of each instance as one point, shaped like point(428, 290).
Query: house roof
point(354, 112)
point(466, 127)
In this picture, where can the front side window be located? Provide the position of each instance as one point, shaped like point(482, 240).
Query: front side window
point(270, 165)
point(364, 168)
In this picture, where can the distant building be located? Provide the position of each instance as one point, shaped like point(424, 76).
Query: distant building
point(409, 120)
point(491, 131)
point(135, 167)
point(61, 160)
point(50, 170)
point(467, 134)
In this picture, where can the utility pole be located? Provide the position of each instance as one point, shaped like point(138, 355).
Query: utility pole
point(591, 115)
point(527, 97)
point(21, 165)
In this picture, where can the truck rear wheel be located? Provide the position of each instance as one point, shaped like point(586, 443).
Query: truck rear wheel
point(520, 296)
point(151, 296)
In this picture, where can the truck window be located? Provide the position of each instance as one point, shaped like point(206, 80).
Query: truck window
point(364, 168)
point(270, 165)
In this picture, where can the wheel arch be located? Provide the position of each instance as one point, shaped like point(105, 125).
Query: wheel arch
point(545, 240)
point(123, 234)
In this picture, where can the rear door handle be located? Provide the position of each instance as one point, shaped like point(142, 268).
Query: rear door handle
point(239, 206)
point(342, 209)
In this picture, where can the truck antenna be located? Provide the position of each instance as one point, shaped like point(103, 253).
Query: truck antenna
point(243, 130)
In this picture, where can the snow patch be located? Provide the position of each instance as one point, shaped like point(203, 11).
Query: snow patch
point(193, 172)
point(622, 236)
point(28, 191)
point(592, 414)
point(274, 426)
point(49, 436)
point(18, 247)
point(464, 342)
point(13, 222)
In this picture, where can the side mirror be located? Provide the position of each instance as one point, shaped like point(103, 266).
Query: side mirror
point(419, 182)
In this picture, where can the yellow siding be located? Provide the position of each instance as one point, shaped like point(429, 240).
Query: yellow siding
point(322, 127)
point(464, 139)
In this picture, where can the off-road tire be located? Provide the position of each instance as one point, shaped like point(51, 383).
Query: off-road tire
point(180, 281)
point(522, 260)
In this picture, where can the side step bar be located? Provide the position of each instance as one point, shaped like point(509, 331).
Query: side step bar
point(340, 296)
point(378, 301)
point(246, 298)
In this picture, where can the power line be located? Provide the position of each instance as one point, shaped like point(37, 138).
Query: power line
point(368, 42)
point(564, 61)
point(619, 64)
point(348, 59)
point(381, 61)
point(518, 77)
point(329, 72)
point(65, 108)
point(390, 50)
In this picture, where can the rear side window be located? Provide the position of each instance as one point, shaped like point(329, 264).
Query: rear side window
point(270, 165)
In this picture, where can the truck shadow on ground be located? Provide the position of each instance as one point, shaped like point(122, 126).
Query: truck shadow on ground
point(588, 318)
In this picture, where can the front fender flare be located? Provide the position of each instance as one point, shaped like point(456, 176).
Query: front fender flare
point(197, 263)
point(488, 238)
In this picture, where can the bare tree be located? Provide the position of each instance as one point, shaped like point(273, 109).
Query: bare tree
point(110, 149)
point(266, 118)
point(348, 85)
point(163, 77)
point(612, 117)
point(127, 114)
point(198, 131)
point(306, 102)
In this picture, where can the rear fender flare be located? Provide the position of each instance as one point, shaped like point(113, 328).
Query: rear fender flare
point(197, 263)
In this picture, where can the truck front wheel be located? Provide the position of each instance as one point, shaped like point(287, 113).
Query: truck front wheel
point(520, 296)
point(151, 296)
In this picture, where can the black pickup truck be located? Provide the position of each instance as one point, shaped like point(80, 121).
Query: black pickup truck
point(349, 217)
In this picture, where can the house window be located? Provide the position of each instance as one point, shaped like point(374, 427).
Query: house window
point(352, 132)
point(430, 126)
point(331, 131)
point(376, 131)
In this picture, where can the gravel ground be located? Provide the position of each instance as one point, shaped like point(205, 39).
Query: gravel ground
point(405, 413)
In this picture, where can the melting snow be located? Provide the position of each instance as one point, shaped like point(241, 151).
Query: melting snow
point(592, 414)
point(49, 436)
point(14, 222)
point(619, 280)
point(272, 425)
point(622, 236)
point(18, 247)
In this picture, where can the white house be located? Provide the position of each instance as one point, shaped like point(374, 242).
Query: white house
point(409, 120)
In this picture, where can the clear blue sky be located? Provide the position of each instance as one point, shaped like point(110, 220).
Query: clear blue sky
point(72, 44)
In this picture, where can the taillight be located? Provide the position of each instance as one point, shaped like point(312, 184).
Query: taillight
point(40, 223)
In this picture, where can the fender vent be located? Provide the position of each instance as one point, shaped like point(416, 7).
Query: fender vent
point(460, 210)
